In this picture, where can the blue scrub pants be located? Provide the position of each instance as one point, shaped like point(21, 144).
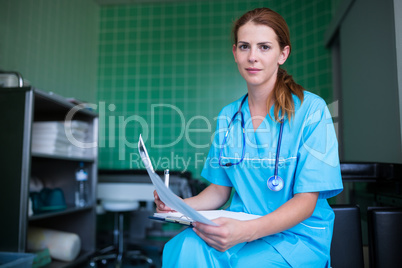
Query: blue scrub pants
point(187, 249)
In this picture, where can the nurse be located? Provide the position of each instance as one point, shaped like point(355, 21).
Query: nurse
point(295, 229)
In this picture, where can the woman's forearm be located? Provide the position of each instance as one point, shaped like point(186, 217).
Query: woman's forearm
point(296, 210)
point(212, 197)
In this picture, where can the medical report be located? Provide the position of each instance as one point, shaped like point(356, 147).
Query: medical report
point(184, 212)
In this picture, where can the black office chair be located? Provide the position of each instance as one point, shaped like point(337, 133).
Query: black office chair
point(346, 245)
point(385, 237)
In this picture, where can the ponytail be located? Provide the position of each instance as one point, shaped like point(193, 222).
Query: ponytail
point(285, 86)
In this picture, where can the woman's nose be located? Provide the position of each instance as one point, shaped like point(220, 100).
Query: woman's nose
point(252, 56)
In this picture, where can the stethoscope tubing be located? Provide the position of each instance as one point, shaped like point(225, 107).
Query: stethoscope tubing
point(278, 149)
point(275, 183)
point(227, 133)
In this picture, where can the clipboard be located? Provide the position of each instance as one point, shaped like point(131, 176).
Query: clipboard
point(185, 214)
point(177, 220)
point(177, 217)
point(166, 194)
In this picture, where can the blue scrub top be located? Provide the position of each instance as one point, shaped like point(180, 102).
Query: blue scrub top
point(308, 162)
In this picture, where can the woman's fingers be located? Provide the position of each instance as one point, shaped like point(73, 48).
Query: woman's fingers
point(212, 240)
point(220, 237)
point(160, 206)
point(212, 235)
point(210, 230)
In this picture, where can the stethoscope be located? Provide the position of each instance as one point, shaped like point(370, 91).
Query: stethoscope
point(275, 183)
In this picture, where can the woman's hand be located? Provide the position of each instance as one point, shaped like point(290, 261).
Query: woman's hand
point(160, 206)
point(229, 233)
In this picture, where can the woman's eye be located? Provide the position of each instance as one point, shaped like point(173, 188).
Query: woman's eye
point(265, 47)
point(243, 47)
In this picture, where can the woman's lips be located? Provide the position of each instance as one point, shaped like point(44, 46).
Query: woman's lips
point(253, 70)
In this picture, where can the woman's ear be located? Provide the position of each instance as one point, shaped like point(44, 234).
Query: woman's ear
point(284, 55)
point(234, 52)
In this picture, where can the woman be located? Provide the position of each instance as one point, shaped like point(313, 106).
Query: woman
point(295, 229)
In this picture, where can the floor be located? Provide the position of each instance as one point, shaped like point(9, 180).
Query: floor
point(130, 261)
point(151, 246)
point(144, 249)
point(366, 256)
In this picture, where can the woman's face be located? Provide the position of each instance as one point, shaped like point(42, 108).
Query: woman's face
point(258, 55)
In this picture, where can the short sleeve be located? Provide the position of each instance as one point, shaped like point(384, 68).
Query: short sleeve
point(318, 168)
point(212, 171)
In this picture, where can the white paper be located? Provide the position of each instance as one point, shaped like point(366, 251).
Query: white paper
point(165, 194)
point(211, 215)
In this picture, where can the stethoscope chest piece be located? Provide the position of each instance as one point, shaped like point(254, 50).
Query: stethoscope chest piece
point(275, 183)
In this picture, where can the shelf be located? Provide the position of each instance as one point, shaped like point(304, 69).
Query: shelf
point(69, 210)
point(63, 157)
point(21, 108)
point(50, 102)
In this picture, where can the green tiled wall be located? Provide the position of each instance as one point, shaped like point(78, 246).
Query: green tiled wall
point(165, 68)
point(52, 43)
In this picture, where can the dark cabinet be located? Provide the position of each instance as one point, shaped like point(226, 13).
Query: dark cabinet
point(20, 161)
